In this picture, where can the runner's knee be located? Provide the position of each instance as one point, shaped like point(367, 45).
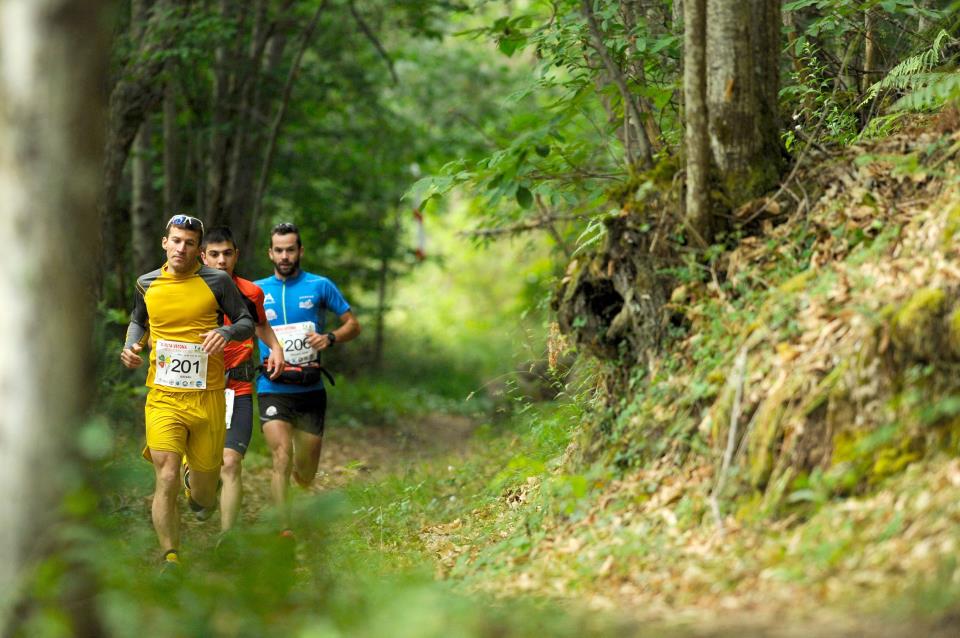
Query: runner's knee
point(281, 456)
point(232, 466)
point(168, 479)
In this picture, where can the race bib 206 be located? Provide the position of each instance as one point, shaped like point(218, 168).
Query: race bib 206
point(293, 338)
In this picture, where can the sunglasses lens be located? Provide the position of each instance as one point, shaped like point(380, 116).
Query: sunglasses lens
point(191, 223)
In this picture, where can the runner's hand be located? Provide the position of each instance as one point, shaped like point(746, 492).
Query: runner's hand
point(213, 342)
point(130, 358)
point(318, 341)
point(275, 363)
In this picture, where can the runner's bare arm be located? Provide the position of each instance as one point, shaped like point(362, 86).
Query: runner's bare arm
point(275, 361)
point(349, 329)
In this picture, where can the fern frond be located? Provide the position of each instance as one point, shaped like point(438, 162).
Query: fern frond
point(913, 72)
point(937, 89)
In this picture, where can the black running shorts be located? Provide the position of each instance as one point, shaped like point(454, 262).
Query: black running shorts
point(241, 424)
point(306, 411)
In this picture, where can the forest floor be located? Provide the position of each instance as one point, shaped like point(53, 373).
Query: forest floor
point(764, 604)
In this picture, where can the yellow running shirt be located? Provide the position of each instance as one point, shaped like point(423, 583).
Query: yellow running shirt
point(174, 310)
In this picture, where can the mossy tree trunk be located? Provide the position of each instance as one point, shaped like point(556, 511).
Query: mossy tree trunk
point(742, 52)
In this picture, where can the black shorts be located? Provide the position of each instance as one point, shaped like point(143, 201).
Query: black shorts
point(305, 410)
point(241, 424)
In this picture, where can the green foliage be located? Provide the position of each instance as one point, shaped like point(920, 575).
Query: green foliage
point(557, 151)
point(820, 106)
point(915, 75)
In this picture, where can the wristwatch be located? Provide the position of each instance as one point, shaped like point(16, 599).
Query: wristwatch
point(332, 337)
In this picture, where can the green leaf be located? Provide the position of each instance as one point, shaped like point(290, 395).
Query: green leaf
point(509, 44)
point(524, 197)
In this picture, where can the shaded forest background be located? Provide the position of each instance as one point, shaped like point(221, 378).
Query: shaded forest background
point(677, 263)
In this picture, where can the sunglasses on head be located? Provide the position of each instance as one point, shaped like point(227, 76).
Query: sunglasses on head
point(185, 221)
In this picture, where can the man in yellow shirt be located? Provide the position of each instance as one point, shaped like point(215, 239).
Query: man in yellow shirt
point(180, 307)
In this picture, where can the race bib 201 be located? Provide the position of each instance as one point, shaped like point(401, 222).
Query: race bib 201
point(180, 365)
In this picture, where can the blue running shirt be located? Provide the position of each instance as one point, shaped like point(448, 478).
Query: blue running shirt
point(304, 297)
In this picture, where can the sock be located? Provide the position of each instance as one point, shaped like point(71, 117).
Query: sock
point(172, 556)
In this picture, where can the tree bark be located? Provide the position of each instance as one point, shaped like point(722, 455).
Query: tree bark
point(223, 126)
point(171, 147)
point(696, 135)
point(143, 210)
point(743, 45)
point(52, 81)
point(249, 237)
point(869, 48)
point(383, 279)
point(266, 53)
point(136, 94)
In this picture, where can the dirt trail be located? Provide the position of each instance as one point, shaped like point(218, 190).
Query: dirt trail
point(353, 454)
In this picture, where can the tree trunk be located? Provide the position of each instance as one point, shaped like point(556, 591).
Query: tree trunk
point(171, 147)
point(230, 74)
point(249, 237)
point(136, 94)
point(143, 197)
point(869, 48)
point(51, 147)
point(696, 135)
point(266, 53)
point(743, 46)
point(381, 309)
point(143, 209)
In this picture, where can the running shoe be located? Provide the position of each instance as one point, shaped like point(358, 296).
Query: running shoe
point(299, 480)
point(171, 568)
point(202, 513)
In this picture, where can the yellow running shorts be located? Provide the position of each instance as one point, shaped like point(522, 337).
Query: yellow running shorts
point(192, 424)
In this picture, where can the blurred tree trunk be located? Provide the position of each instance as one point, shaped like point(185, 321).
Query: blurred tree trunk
point(52, 85)
point(743, 80)
point(143, 209)
point(378, 340)
point(136, 94)
point(171, 147)
point(265, 57)
point(249, 237)
point(223, 127)
point(869, 48)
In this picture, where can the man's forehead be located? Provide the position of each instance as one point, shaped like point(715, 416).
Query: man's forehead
point(182, 233)
point(219, 247)
point(284, 241)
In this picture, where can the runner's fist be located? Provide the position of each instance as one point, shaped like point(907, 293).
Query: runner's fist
point(318, 341)
point(213, 342)
point(275, 363)
point(130, 357)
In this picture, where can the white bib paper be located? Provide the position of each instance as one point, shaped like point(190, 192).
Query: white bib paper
point(228, 393)
point(293, 338)
point(180, 365)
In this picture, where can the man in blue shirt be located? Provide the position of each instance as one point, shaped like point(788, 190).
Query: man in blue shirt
point(292, 416)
